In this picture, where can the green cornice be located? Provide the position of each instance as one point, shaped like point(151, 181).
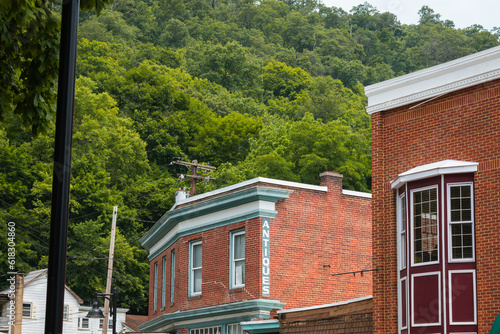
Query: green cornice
point(255, 327)
point(172, 218)
point(206, 314)
point(214, 224)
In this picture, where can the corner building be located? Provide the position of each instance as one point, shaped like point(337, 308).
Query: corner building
point(227, 260)
point(436, 197)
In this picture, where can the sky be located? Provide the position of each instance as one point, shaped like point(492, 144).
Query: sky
point(463, 13)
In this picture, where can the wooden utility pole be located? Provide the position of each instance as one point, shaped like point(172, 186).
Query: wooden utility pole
point(194, 173)
point(110, 272)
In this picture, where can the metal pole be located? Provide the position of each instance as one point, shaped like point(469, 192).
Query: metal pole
point(115, 310)
point(62, 166)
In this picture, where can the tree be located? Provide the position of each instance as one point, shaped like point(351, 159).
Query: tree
point(29, 31)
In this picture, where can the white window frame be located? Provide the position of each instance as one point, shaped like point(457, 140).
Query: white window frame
point(81, 321)
point(30, 310)
point(192, 269)
point(402, 222)
point(234, 329)
point(450, 223)
point(172, 277)
point(234, 234)
point(66, 312)
point(206, 330)
point(412, 227)
point(155, 287)
point(164, 281)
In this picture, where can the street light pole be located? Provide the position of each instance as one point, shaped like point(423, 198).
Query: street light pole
point(96, 312)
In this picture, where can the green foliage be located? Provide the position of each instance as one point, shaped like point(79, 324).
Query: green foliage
point(270, 88)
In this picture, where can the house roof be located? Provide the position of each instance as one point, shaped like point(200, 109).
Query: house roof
point(317, 307)
point(35, 275)
point(434, 169)
point(434, 81)
point(133, 321)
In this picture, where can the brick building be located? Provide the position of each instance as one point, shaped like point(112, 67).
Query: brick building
point(233, 257)
point(436, 188)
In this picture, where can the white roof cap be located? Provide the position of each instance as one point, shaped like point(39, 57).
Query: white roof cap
point(434, 169)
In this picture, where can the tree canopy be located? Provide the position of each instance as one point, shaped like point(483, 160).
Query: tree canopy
point(270, 88)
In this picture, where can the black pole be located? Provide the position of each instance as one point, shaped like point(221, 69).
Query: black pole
point(62, 167)
point(115, 311)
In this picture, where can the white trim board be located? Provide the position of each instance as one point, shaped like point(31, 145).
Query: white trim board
point(434, 81)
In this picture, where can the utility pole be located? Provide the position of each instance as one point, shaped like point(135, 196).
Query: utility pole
point(110, 273)
point(194, 173)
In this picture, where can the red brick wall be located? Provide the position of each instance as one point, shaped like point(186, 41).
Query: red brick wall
point(464, 125)
point(314, 235)
point(215, 270)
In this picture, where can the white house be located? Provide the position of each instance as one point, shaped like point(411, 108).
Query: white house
point(34, 303)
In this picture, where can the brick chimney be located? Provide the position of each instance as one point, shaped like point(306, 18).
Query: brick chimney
point(332, 180)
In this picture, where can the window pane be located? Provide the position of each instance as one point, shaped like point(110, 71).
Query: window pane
point(239, 246)
point(27, 310)
point(461, 203)
point(461, 241)
point(239, 273)
point(197, 256)
point(425, 226)
point(197, 280)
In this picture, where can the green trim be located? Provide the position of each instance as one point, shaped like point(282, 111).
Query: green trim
point(272, 327)
point(167, 321)
point(219, 223)
point(171, 218)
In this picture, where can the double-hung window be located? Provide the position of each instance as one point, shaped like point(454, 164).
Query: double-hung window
point(172, 278)
point(83, 323)
point(163, 281)
point(238, 259)
point(27, 310)
point(155, 287)
point(195, 266)
point(461, 222)
point(425, 225)
point(66, 313)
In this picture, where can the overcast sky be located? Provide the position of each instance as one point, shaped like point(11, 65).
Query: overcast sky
point(463, 13)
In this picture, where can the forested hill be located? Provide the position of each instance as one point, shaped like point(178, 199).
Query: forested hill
point(271, 88)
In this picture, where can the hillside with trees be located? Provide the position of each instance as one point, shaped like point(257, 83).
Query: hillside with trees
point(271, 88)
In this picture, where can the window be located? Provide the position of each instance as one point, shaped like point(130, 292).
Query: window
point(238, 259)
point(195, 262)
point(425, 226)
point(234, 329)
point(110, 323)
point(101, 321)
point(83, 323)
point(164, 281)
point(436, 254)
point(172, 279)
point(66, 313)
point(206, 330)
point(402, 231)
point(27, 310)
point(155, 287)
point(461, 215)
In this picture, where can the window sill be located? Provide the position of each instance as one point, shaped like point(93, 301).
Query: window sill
point(195, 297)
point(237, 290)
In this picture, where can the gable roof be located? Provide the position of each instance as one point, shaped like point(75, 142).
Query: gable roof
point(32, 276)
